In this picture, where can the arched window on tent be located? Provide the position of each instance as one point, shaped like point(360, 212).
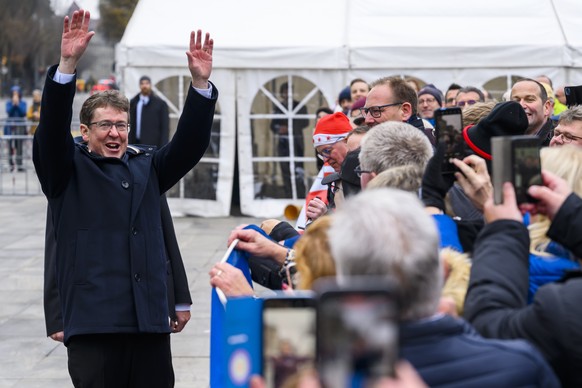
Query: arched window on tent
point(282, 120)
point(201, 181)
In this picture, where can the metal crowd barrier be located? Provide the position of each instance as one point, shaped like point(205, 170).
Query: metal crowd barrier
point(17, 174)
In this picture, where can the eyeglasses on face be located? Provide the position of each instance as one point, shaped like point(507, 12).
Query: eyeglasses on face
point(326, 152)
point(359, 171)
point(468, 102)
point(427, 101)
point(106, 125)
point(566, 137)
point(376, 111)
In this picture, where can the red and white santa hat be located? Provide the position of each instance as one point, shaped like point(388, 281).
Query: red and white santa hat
point(331, 129)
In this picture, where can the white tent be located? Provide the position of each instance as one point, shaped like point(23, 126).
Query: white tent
point(319, 46)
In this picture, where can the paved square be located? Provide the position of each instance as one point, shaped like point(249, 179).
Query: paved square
point(29, 359)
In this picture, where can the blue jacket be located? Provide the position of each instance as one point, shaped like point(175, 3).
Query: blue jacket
point(543, 269)
point(448, 232)
point(111, 265)
point(16, 114)
point(448, 352)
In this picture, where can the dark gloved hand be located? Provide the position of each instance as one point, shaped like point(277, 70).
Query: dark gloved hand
point(435, 184)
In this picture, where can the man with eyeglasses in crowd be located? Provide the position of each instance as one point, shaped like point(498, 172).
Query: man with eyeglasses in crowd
point(329, 141)
point(429, 99)
point(569, 128)
point(533, 98)
point(104, 196)
point(451, 94)
point(469, 95)
point(392, 99)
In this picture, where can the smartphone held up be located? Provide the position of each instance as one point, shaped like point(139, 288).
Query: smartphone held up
point(288, 343)
point(449, 131)
point(516, 159)
point(357, 335)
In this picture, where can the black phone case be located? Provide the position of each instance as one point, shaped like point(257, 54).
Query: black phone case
point(449, 130)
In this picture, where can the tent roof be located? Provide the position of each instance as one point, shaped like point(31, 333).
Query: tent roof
point(363, 34)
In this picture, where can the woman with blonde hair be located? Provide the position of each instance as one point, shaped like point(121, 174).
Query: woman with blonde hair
point(474, 113)
point(313, 257)
point(310, 256)
point(549, 260)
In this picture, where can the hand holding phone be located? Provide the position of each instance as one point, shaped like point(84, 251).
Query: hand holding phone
point(507, 210)
point(449, 130)
point(474, 179)
point(435, 184)
point(516, 159)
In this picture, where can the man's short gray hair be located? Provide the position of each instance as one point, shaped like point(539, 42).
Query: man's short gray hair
point(570, 115)
point(387, 232)
point(393, 144)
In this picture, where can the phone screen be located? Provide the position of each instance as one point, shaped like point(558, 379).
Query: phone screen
point(288, 338)
point(449, 126)
point(357, 336)
point(526, 167)
point(573, 95)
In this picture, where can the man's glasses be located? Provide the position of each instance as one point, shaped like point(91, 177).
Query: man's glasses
point(427, 101)
point(106, 125)
point(359, 171)
point(468, 102)
point(326, 152)
point(376, 111)
point(566, 137)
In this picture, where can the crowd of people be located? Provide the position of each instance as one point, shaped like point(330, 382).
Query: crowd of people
point(486, 290)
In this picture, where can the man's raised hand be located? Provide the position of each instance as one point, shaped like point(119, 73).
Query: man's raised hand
point(200, 58)
point(74, 41)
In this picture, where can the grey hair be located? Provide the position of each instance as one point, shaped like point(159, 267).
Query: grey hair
point(407, 178)
point(393, 144)
point(570, 115)
point(387, 232)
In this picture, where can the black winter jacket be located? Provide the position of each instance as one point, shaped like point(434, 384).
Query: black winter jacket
point(111, 267)
point(496, 302)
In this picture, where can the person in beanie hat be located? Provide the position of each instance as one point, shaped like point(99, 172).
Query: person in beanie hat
point(331, 147)
point(356, 112)
point(429, 99)
point(15, 125)
point(506, 119)
point(345, 100)
point(328, 138)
